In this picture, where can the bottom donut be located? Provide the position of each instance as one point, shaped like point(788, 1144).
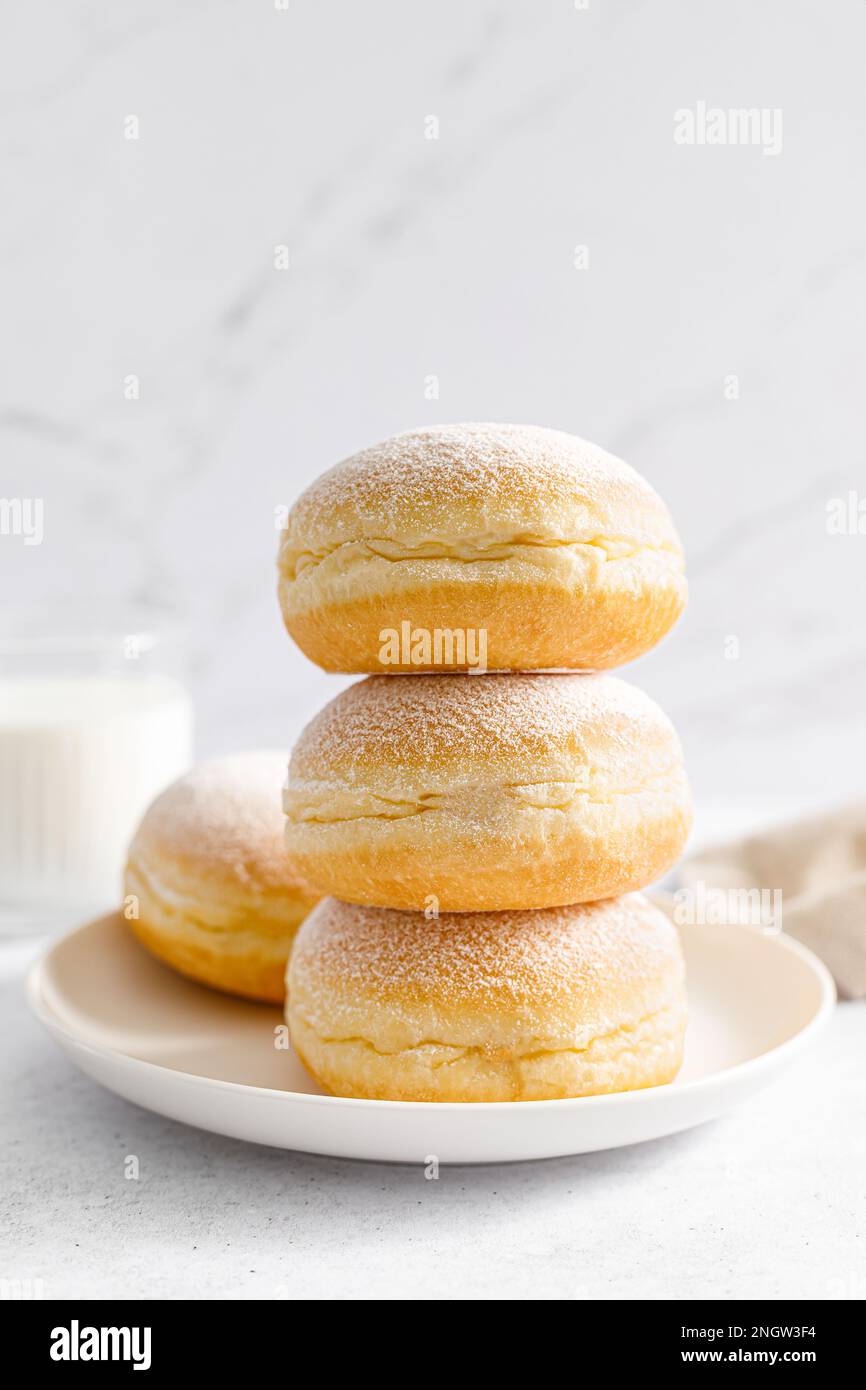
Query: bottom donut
point(494, 1006)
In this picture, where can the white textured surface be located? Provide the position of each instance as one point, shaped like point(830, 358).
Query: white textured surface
point(767, 1203)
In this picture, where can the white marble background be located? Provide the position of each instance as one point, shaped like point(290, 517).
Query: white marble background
point(306, 126)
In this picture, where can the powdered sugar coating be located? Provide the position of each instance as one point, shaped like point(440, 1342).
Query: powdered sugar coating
point(574, 957)
point(224, 816)
point(387, 721)
point(473, 478)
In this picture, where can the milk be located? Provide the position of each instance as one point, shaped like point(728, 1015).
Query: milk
point(81, 757)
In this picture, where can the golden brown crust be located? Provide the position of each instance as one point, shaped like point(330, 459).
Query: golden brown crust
point(487, 1007)
point(216, 895)
point(561, 553)
point(486, 793)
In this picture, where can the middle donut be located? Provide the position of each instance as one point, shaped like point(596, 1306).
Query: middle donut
point(463, 793)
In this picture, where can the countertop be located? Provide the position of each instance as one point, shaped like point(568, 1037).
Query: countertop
point(766, 1203)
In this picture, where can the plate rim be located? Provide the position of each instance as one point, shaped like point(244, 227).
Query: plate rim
point(828, 999)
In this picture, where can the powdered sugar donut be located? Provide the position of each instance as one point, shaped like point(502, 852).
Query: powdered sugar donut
point(510, 546)
point(486, 793)
point(211, 889)
point(498, 1006)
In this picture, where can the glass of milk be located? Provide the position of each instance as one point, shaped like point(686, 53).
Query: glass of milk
point(95, 720)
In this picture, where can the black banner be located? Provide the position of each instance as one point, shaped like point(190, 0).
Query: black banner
point(144, 1338)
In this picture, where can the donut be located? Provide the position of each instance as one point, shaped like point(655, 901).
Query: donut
point(494, 1006)
point(472, 547)
point(209, 886)
point(476, 794)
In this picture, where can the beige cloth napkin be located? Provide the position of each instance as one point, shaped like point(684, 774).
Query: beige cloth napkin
point(818, 865)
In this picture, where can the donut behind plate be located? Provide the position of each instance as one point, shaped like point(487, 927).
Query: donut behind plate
point(210, 888)
point(521, 1006)
point(486, 793)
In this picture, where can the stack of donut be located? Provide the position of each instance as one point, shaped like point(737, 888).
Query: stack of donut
point(479, 813)
point(480, 836)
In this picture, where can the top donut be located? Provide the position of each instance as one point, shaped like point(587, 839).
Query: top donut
point(479, 547)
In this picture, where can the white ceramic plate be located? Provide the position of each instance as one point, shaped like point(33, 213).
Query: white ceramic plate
point(208, 1060)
